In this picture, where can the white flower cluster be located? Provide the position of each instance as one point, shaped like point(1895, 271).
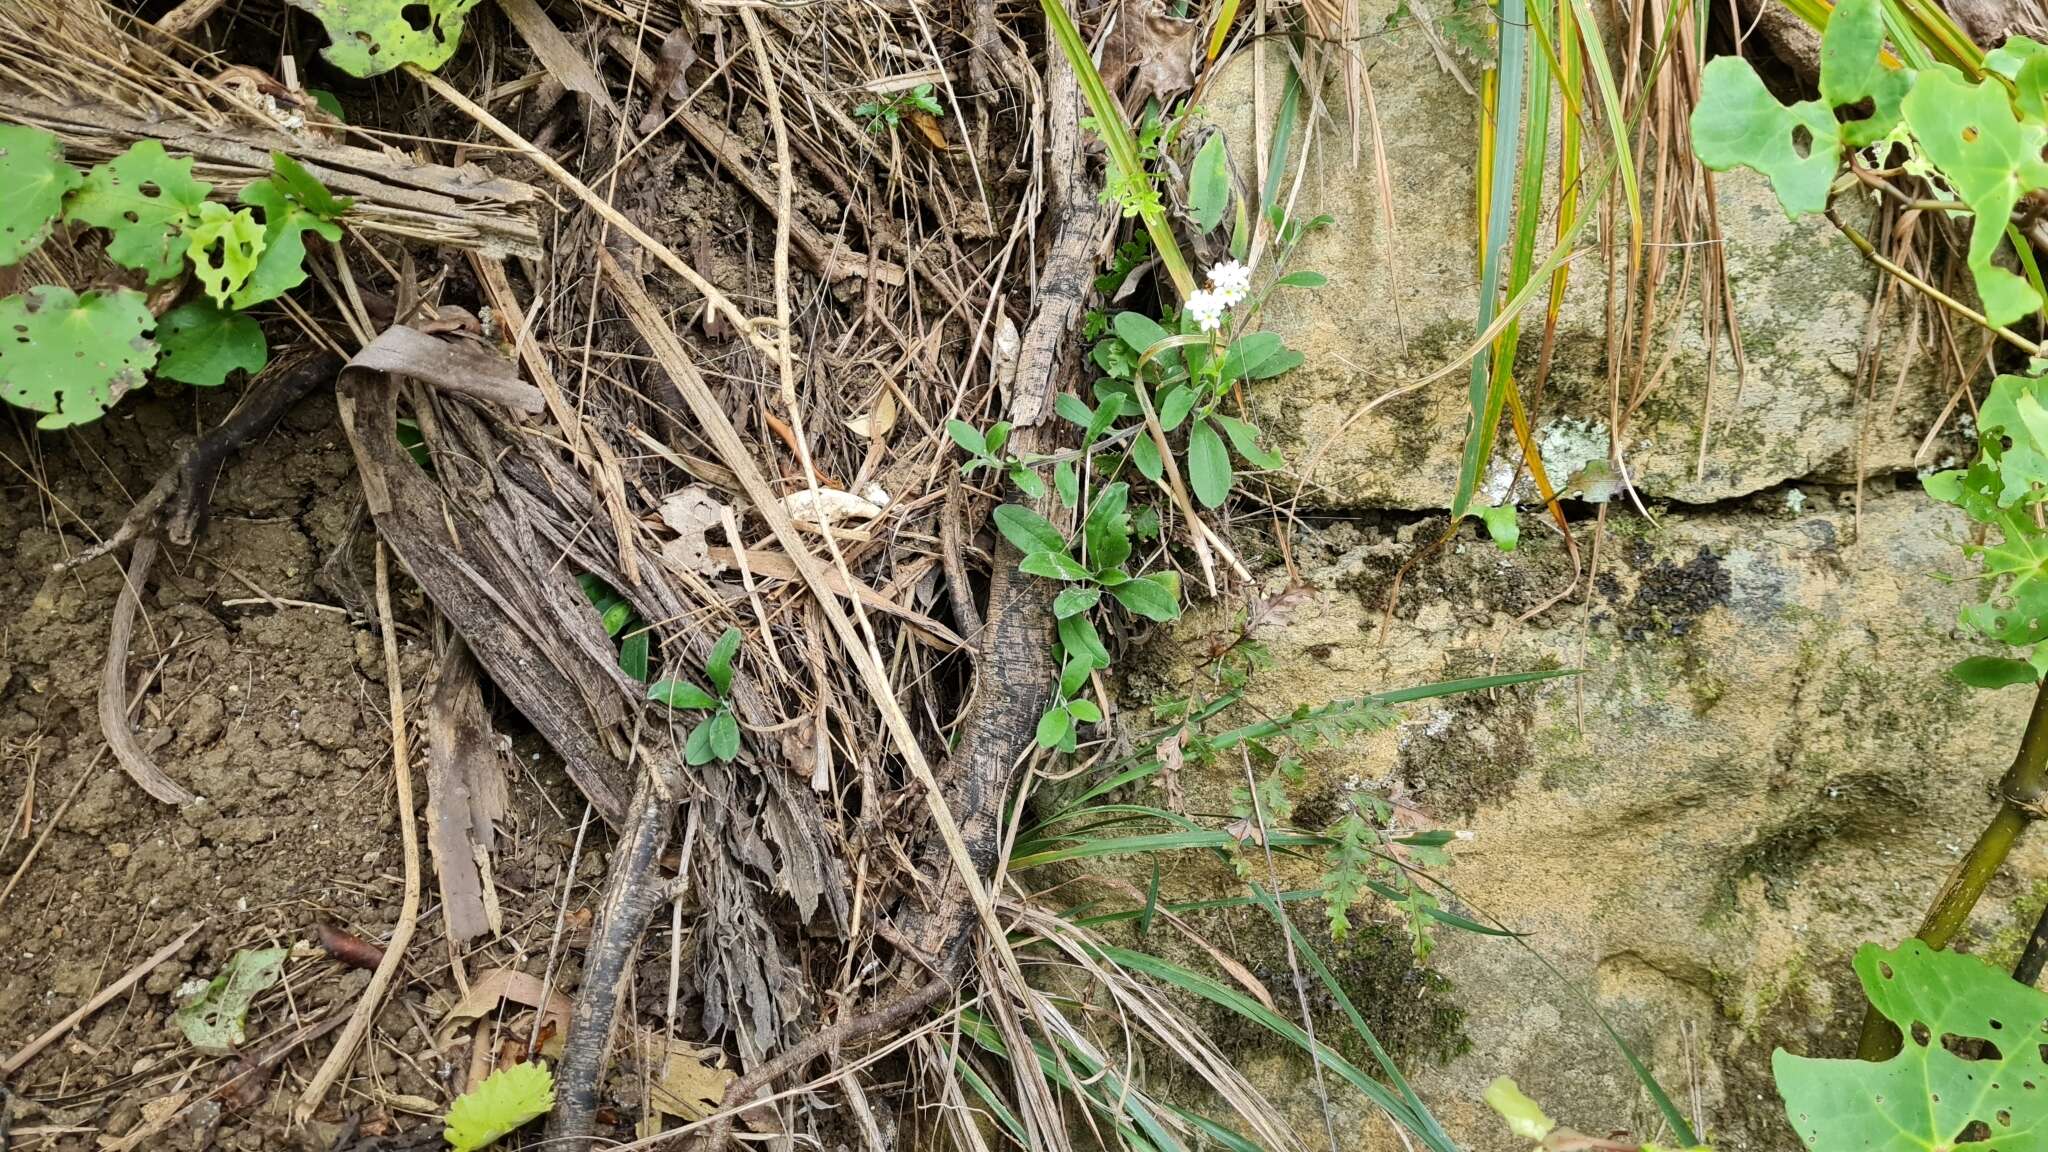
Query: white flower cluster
point(1229, 282)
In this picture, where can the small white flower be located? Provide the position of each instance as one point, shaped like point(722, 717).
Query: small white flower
point(1230, 280)
point(1207, 308)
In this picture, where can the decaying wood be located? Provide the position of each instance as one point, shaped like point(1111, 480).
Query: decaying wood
point(566, 65)
point(457, 207)
point(113, 705)
point(465, 796)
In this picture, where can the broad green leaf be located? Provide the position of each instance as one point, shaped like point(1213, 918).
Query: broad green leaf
point(1991, 160)
point(282, 265)
point(616, 612)
point(1107, 530)
point(33, 182)
point(697, 749)
point(1138, 330)
point(1052, 566)
point(1145, 456)
point(306, 190)
point(1208, 465)
point(1739, 124)
point(1155, 595)
point(1279, 363)
point(1066, 480)
point(1073, 601)
point(1027, 482)
point(2024, 62)
point(223, 247)
point(1851, 71)
point(70, 357)
point(146, 200)
point(681, 694)
point(1175, 404)
point(1053, 726)
point(718, 666)
point(998, 435)
point(2017, 565)
point(633, 654)
point(202, 344)
point(1209, 184)
point(1994, 672)
point(1074, 674)
point(1027, 530)
point(369, 37)
point(1928, 1096)
point(1247, 352)
point(725, 735)
point(1084, 711)
point(507, 1099)
point(1079, 638)
point(217, 1019)
point(1071, 408)
point(1245, 438)
point(1502, 526)
point(1303, 280)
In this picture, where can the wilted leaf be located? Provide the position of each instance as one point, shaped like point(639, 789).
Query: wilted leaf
point(223, 247)
point(216, 1020)
point(688, 1083)
point(1149, 54)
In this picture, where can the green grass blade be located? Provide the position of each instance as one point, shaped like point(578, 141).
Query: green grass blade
point(1470, 684)
point(1617, 126)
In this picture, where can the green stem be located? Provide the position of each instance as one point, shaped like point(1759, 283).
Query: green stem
point(2019, 805)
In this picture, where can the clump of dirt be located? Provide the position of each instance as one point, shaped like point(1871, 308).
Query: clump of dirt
point(1671, 594)
point(264, 695)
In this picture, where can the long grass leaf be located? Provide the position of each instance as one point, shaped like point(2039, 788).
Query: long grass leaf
point(1499, 146)
point(1617, 124)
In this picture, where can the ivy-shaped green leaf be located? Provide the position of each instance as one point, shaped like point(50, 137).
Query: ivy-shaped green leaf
point(1991, 160)
point(224, 246)
point(371, 37)
point(1851, 71)
point(33, 182)
point(2017, 565)
point(1739, 124)
point(1930, 1096)
point(2024, 62)
point(72, 356)
point(147, 200)
point(281, 266)
point(202, 344)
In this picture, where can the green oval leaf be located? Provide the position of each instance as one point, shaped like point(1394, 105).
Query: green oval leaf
point(1209, 184)
point(1994, 672)
point(681, 694)
point(718, 666)
point(1053, 566)
point(1155, 595)
point(1208, 465)
point(725, 735)
point(1029, 531)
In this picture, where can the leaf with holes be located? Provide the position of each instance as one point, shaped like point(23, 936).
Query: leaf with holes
point(72, 356)
point(224, 246)
point(1739, 124)
point(281, 266)
point(216, 1020)
point(371, 37)
point(33, 182)
point(1851, 71)
point(146, 199)
point(1971, 1076)
point(202, 344)
point(1991, 159)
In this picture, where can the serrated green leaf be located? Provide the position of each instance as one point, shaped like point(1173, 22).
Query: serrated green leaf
point(1155, 595)
point(1502, 526)
point(1994, 672)
point(147, 201)
point(1991, 160)
point(33, 182)
point(1027, 530)
point(217, 1019)
point(725, 735)
point(1052, 566)
point(507, 1099)
point(69, 356)
point(1107, 530)
point(1073, 601)
point(1209, 184)
point(681, 694)
point(1927, 1096)
point(1851, 71)
point(282, 265)
point(1739, 124)
point(1208, 465)
point(371, 37)
point(2017, 566)
point(223, 246)
point(718, 666)
point(1245, 438)
point(202, 344)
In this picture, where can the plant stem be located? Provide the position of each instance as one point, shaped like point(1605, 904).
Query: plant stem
point(2019, 805)
point(2035, 955)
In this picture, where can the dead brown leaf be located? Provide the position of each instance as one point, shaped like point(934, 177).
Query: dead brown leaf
point(688, 1081)
point(1149, 54)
